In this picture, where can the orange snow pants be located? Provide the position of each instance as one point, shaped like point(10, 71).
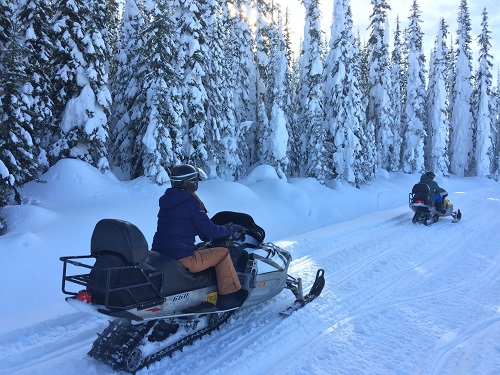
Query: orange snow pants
point(218, 257)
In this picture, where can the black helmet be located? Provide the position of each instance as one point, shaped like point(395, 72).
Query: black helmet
point(430, 174)
point(185, 176)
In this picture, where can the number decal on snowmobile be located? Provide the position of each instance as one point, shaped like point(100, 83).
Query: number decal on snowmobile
point(180, 297)
point(212, 298)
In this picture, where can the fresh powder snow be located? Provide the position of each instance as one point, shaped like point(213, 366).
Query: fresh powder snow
point(400, 298)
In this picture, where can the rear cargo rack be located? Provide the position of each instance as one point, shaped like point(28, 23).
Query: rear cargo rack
point(109, 290)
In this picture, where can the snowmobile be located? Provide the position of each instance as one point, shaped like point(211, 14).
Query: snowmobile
point(421, 201)
point(157, 307)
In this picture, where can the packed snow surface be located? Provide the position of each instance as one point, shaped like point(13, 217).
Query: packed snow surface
point(399, 298)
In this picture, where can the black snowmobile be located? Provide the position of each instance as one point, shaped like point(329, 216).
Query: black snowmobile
point(421, 201)
point(157, 306)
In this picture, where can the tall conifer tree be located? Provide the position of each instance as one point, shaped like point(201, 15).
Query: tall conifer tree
point(461, 116)
point(397, 77)
point(81, 83)
point(415, 112)
point(437, 158)
point(35, 20)
point(482, 106)
point(275, 145)
point(127, 84)
point(159, 127)
point(19, 150)
point(343, 100)
point(192, 67)
point(310, 129)
point(379, 113)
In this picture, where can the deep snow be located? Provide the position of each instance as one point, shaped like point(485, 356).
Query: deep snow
point(399, 298)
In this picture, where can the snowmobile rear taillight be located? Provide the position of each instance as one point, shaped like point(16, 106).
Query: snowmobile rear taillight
point(419, 201)
point(84, 296)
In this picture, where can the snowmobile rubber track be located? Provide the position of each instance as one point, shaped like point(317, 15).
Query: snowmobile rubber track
point(186, 341)
point(316, 289)
point(115, 343)
point(119, 344)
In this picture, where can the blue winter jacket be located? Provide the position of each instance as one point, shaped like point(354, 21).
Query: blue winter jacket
point(181, 218)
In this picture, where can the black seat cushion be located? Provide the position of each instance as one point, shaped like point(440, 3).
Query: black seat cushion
point(176, 278)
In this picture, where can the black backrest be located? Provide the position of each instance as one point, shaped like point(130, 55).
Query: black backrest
point(119, 236)
point(421, 188)
point(422, 192)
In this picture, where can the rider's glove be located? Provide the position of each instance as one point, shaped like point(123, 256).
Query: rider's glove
point(237, 233)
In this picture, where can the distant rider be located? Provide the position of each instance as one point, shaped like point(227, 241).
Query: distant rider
point(428, 178)
point(182, 217)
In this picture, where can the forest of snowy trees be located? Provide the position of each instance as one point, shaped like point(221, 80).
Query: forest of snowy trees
point(138, 86)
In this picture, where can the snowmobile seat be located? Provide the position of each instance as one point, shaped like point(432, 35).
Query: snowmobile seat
point(176, 278)
point(421, 192)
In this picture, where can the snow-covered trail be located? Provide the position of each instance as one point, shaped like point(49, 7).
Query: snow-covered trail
point(399, 299)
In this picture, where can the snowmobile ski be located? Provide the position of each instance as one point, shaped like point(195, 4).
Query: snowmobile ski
point(456, 216)
point(315, 291)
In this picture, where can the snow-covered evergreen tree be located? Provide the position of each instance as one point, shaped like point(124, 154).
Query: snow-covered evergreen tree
point(242, 77)
point(368, 142)
point(275, 144)
point(264, 39)
point(296, 129)
point(415, 112)
point(19, 150)
point(126, 84)
point(80, 79)
point(496, 121)
point(241, 58)
point(35, 21)
point(222, 145)
point(379, 112)
point(159, 129)
point(449, 78)
point(291, 87)
point(310, 131)
point(107, 17)
point(6, 16)
point(343, 104)
point(192, 67)
point(397, 76)
point(482, 106)
point(437, 106)
point(461, 116)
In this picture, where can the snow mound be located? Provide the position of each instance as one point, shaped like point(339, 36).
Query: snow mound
point(72, 179)
point(261, 173)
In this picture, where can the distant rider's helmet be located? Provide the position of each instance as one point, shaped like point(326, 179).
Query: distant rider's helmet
point(185, 176)
point(431, 175)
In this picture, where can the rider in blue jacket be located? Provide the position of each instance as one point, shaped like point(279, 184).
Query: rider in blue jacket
point(428, 178)
point(182, 217)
